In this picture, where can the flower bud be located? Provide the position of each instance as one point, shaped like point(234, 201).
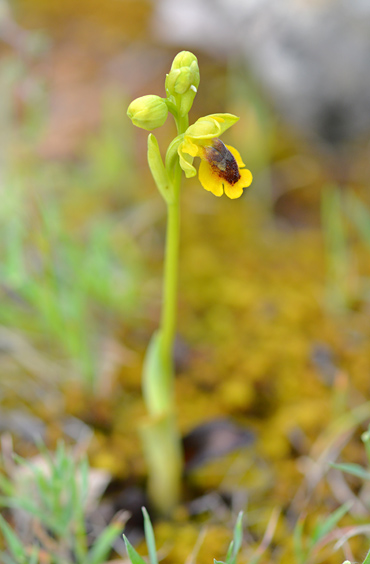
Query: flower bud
point(148, 112)
point(182, 81)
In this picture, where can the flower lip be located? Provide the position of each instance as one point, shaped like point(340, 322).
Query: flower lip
point(221, 170)
point(222, 161)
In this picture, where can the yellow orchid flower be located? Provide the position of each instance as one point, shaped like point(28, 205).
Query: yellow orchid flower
point(221, 168)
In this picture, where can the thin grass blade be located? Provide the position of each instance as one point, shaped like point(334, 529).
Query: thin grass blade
point(367, 558)
point(324, 528)
point(353, 469)
point(103, 544)
point(14, 544)
point(134, 556)
point(149, 537)
point(299, 550)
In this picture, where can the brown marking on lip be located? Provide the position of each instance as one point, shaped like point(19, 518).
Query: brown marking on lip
point(222, 162)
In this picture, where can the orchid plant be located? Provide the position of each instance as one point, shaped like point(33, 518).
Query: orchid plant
point(221, 171)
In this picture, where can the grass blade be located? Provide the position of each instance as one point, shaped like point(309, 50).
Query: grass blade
point(149, 537)
point(103, 544)
point(367, 558)
point(14, 544)
point(134, 556)
point(322, 529)
point(353, 469)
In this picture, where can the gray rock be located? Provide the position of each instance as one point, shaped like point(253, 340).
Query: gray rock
point(311, 57)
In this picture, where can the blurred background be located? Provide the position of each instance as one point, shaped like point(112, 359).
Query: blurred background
point(274, 287)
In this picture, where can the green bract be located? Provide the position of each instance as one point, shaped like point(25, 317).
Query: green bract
point(157, 167)
point(148, 112)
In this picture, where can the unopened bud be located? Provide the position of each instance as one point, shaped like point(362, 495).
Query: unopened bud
point(184, 59)
point(148, 112)
point(183, 80)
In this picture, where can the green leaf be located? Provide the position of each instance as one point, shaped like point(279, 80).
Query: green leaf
point(34, 557)
point(149, 537)
point(6, 486)
point(103, 544)
point(299, 550)
point(26, 463)
point(367, 558)
point(26, 504)
point(134, 556)
point(84, 469)
point(157, 167)
point(13, 542)
point(324, 528)
point(238, 535)
point(237, 540)
point(353, 469)
point(229, 552)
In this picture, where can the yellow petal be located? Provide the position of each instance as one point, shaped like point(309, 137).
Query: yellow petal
point(236, 155)
point(245, 177)
point(233, 191)
point(190, 148)
point(236, 190)
point(210, 180)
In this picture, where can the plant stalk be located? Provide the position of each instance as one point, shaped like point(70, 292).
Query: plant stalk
point(169, 301)
point(162, 441)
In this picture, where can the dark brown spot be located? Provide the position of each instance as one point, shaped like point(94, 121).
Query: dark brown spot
point(222, 162)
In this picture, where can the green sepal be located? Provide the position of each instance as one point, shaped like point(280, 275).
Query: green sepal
point(208, 127)
point(156, 379)
point(157, 167)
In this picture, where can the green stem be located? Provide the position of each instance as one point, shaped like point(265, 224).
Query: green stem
point(169, 303)
point(169, 300)
point(162, 441)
